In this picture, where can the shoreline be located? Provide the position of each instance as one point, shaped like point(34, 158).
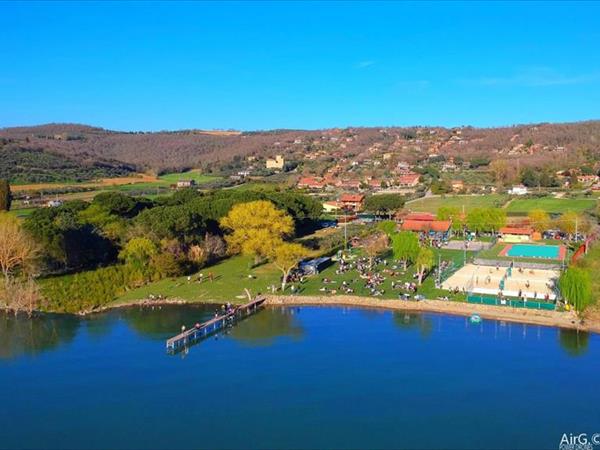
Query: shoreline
point(568, 320)
point(565, 319)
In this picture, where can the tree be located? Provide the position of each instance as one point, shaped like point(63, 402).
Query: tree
point(384, 204)
point(18, 255)
point(486, 219)
point(454, 214)
point(375, 245)
point(501, 171)
point(165, 264)
point(539, 220)
point(568, 222)
point(256, 228)
point(18, 252)
point(285, 256)
point(530, 177)
point(576, 286)
point(389, 227)
point(5, 196)
point(424, 262)
point(405, 246)
point(441, 187)
point(138, 253)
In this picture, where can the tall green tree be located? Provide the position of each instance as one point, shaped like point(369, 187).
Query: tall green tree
point(384, 204)
point(424, 262)
point(5, 196)
point(405, 246)
point(576, 287)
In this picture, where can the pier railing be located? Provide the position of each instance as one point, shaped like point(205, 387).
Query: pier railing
point(212, 326)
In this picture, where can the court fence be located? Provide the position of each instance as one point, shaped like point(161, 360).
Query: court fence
point(495, 301)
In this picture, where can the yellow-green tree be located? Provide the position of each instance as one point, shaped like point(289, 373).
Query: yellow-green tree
point(138, 253)
point(286, 256)
point(576, 286)
point(424, 262)
point(256, 228)
point(539, 219)
point(569, 222)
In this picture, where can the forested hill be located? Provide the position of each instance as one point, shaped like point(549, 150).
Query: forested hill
point(197, 148)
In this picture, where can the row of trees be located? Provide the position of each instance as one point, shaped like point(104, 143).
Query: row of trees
point(477, 219)
point(569, 222)
point(146, 240)
point(492, 219)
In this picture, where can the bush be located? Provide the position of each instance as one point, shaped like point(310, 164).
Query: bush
point(89, 290)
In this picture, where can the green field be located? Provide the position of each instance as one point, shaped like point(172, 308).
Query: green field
point(22, 213)
point(230, 277)
point(550, 205)
point(432, 204)
point(165, 181)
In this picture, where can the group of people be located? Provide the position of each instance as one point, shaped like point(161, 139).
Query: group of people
point(373, 272)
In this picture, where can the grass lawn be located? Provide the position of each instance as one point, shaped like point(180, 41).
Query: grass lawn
point(428, 289)
point(550, 205)
point(230, 279)
point(432, 204)
point(22, 213)
point(197, 176)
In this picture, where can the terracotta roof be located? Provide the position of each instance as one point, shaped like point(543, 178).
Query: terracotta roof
point(422, 225)
point(420, 216)
point(352, 198)
point(515, 230)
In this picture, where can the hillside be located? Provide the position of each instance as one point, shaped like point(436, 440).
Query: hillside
point(122, 151)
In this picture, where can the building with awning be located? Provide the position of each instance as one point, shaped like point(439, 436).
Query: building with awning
point(516, 234)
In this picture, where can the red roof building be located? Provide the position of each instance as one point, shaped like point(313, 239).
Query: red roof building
point(422, 216)
point(438, 226)
point(409, 180)
point(516, 231)
point(352, 201)
point(311, 183)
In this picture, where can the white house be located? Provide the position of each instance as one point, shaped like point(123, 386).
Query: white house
point(518, 190)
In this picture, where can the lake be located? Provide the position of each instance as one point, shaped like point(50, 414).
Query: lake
point(294, 378)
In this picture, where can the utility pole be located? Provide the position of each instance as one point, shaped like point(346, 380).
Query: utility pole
point(345, 232)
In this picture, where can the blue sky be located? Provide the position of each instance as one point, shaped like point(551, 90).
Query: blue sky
point(153, 66)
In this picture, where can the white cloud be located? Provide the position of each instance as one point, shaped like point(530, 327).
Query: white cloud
point(364, 64)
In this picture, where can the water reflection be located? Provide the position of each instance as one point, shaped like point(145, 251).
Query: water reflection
point(160, 321)
point(413, 321)
point(22, 335)
point(263, 328)
point(573, 342)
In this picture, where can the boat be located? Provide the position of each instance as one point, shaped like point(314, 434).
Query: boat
point(475, 318)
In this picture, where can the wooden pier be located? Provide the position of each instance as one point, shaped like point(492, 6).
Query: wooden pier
point(195, 334)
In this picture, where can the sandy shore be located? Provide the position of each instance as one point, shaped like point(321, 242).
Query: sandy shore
point(532, 316)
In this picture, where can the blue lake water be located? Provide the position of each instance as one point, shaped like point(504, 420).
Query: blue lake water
point(294, 378)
